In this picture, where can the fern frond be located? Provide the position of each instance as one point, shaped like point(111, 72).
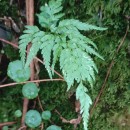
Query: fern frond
point(55, 6)
point(85, 102)
point(86, 47)
point(63, 40)
point(48, 16)
point(76, 38)
point(79, 25)
point(46, 48)
point(31, 29)
point(77, 65)
point(89, 41)
point(36, 44)
point(33, 50)
point(25, 39)
point(92, 51)
point(56, 52)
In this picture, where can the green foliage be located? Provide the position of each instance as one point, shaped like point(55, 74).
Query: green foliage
point(8, 10)
point(30, 90)
point(115, 98)
point(18, 113)
point(65, 39)
point(33, 118)
point(85, 102)
point(5, 128)
point(17, 72)
point(50, 15)
point(53, 127)
point(25, 39)
point(111, 111)
point(46, 115)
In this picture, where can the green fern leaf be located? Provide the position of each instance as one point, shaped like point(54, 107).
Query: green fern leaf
point(77, 65)
point(46, 48)
point(31, 29)
point(33, 50)
point(86, 47)
point(39, 34)
point(87, 40)
point(24, 40)
point(85, 102)
point(55, 6)
point(92, 51)
point(48, 16)
point(79, 25)
point(24, 37)
point(56, 52)
point(36, 44)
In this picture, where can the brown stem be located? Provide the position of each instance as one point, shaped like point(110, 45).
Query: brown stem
point(30, 21)
point(25, 107)
point(21, 128)
point(40, 103)
point(34, 81)
point(7, 123)
point(10, 43)
point(108, 72)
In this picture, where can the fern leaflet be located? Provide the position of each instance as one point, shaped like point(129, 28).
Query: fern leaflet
point(46, 48)
point(79, 25)
point(48, 16)
point(85, 102)
point(25, 40)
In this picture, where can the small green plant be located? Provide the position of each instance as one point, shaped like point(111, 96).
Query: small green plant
point(46, 115)
point(63, 41)
point(33, 118)
point(5, 128)
point(53, 127)
point(17, 72)
point(30, 90)
point(18, 113)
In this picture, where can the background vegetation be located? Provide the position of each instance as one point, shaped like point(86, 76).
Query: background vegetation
point(112, 112)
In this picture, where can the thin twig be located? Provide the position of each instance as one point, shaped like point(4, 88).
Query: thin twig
point(5, 19)
point(40, 104)
point(61, 117)
point(25, 107)
point(30, 21)
point(35, 81)
point(5, 78)
point(42, 126)
point(7, 123)
point(108, 72)
point(22, 127)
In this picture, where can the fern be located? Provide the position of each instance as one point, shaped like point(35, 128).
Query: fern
point(36, 43)
point(79, 25)
point(48, 16)
point(46, 48)
point(26, 39)
point(76, 65)
point(56, 50)
point(85, 102)
point(63, 41)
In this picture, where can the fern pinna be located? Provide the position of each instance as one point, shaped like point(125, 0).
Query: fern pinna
point(73, 50)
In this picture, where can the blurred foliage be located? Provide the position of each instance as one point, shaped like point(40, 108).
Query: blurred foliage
point(8, 9)
point(112, 111)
